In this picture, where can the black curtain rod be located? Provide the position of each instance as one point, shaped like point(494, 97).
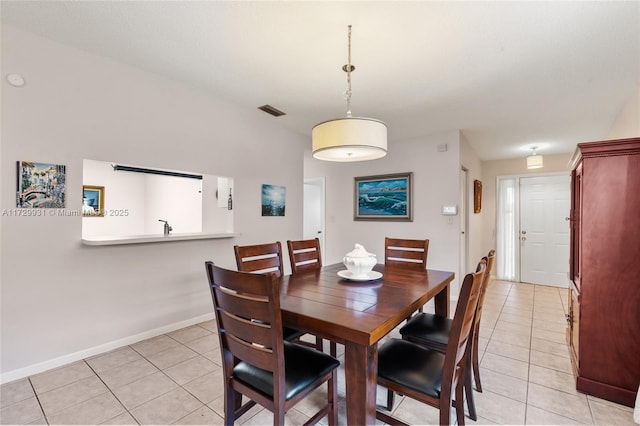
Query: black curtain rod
point(118, 167)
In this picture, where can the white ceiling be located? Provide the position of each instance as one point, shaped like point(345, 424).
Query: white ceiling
point(508, 74)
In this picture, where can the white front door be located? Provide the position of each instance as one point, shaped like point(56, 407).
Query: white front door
point(313, 211)
point(544, 230)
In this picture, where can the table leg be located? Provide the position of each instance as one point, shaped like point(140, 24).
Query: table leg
point(361, 372)
point(442, 302)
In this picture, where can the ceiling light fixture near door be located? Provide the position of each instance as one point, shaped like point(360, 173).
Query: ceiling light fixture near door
point(349, 138)
point(534, 161)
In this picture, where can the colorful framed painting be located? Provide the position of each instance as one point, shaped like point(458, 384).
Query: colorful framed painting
point(383, 197)
point(40, 185)
point(93, 201)
point(273, 200)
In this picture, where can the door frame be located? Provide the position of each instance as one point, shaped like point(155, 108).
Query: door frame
point(318, 182)
point(517, 210)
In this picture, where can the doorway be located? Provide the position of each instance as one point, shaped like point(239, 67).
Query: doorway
point(464, 221)
point(313, 211)
point(532, 230)
point(544, 230)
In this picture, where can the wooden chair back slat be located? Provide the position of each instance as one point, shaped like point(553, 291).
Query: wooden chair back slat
point(260, 258)
point(304, 255)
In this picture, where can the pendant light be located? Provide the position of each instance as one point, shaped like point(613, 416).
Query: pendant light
point(349, 138)
point(534, 161)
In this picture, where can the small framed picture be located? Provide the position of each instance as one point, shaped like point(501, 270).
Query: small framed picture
point(383, 197)
point(92, 200)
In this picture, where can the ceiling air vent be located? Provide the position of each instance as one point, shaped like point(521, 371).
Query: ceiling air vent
point(271, 110)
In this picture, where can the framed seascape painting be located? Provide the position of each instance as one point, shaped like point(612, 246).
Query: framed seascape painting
point(383, 197)
point(273, 200)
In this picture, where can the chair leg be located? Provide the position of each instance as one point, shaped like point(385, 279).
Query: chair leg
point(476, 364)
point(332, 417)
point(459, 403)
point(469, 393)
point(390, 400)
point(333, 349)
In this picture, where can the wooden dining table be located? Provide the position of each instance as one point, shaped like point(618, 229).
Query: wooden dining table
point(358, 314)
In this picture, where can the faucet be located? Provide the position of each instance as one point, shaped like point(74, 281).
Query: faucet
point(167, 227)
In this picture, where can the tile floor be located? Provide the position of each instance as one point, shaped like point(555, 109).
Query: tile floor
point(176, 378)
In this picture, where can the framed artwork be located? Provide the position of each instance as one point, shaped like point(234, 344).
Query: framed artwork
point(40, 185)
point(273, 200)
point(477, 196)
point(93, 201)
point(383, 197)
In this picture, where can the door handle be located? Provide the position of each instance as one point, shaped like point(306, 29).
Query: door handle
point(524, 238)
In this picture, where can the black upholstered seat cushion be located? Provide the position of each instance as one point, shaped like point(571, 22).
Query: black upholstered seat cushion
point(427, 328)
point(291, 333)
point(302, 367)
point(412, 366)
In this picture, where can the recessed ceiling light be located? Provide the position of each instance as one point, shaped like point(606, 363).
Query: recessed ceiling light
point(15, 80)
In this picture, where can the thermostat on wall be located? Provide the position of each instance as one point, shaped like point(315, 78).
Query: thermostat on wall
point(449, 210)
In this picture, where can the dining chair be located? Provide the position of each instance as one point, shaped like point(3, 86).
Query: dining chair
point(403, 253)
point(306, 256)
point(433, 331)
point(257, 362)
point(406, 253)
point(428, 375)
point(262, 258)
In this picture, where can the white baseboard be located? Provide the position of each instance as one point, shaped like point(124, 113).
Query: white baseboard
point(30, 370)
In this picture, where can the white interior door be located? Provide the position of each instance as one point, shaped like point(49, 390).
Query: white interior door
point(313, 211)
point(544, 231)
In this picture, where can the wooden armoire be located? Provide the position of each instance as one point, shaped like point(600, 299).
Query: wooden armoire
point(604, 299)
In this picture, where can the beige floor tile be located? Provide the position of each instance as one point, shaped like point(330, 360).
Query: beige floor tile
point(154, 345)
point(210, 325)
point(92, 411)
point(127, 373)
point(550, 326)
point(214, 356)
point(558, 402)
point(61, 376)
point(504, 365)
point(537, 416)
point(167, 408)
point(521, 329)
point(113, 359)
point(39, 421)
point(122, 419)
point(171, 357)
point(516, 319)
point(143, 390)
point(201, 416)
point(207, 343)
point(21, 412)
point(555, 362)
point(508, 350)
point(606, 414)
point(552, 379)
point(512, 338)
point(217, 405)
point(611, 403)
point(418, 413)
point(208, 387)
point(15, 391)
point(265, 417)
point(189, 333)
point(503, 384)
point(190, 369)
point(63, 397)
point(520, 311)
point(551, 336)
point(500, 409)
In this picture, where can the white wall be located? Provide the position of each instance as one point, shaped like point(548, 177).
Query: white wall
point(435, 182)
point(176, 200)
point(60, 300)
point(627, 124)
